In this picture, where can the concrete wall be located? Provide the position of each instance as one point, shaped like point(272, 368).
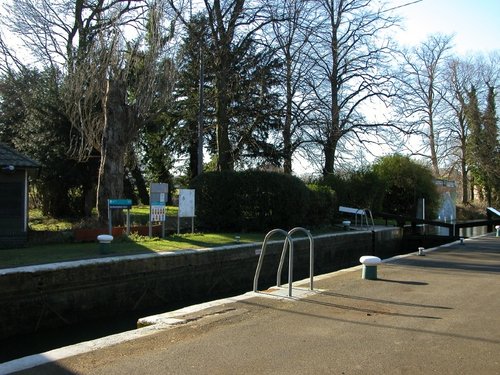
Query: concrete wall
point(48, 296)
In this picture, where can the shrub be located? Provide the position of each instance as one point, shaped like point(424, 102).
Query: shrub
point(250, 200)
point(322, 205)
point(360, 189)
point(216, 204)
point(405, 182)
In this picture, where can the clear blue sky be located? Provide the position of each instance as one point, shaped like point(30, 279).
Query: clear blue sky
point(475, 23)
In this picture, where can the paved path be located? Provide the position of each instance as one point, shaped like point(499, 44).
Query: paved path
point(438, 313)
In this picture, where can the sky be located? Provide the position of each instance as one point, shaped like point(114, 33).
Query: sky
point(475, 23)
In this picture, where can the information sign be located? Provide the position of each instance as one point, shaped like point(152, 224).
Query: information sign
point(115, 204)
point(120, 203)
point(186, 207)
point(186, 203)
point(158, 196)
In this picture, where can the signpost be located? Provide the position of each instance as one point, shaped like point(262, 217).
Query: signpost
point(158, 196)
point(119, 204)
point(186, 207)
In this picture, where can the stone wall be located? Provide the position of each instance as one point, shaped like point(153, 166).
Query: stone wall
point(48, 296)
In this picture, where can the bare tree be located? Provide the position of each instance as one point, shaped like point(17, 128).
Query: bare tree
point(289, 37)
point(463, 74)
point(110, 76)
point(351, 53)
point(422, 88)
point(459, 80)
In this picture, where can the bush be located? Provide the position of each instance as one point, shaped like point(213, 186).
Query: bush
point(322, 205)
point(250, 200)
point(405, 182)
point(360, 189)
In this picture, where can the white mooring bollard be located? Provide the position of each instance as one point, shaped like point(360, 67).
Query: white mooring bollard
point(370, 264)
point(104, 243)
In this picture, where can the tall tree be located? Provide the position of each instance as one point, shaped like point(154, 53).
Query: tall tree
point(289, 36)
point(459, 75)
point(490, 147)
point(32, 120)
point(474, 141)
point(193, 102)
point(242, 80)
point(104, 101)
point(422, 85)
point(351, 54)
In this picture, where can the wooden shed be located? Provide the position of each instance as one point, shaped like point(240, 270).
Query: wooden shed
point(14, 170)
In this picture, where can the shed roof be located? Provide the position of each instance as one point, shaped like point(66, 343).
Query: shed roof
point(9, 156)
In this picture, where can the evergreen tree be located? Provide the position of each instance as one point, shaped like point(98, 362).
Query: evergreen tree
point(32, 120)
point(490, 147)
point(482, 145)
point(252, 112)
point(195, 74)
point(473, 116)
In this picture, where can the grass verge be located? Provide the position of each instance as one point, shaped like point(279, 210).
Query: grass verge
point(119, 247)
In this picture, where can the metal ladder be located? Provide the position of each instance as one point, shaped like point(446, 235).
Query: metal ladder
point(288, 243)
point(366, 213)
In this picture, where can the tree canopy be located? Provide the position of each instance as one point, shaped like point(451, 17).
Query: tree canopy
point(121, 92)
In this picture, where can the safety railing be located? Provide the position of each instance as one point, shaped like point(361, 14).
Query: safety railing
point(288, 243)
point(369, 212)
point(364, 213)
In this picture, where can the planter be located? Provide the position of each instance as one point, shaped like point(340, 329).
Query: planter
point(90, 234)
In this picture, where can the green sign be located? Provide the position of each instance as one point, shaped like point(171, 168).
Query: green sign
point(120, 203)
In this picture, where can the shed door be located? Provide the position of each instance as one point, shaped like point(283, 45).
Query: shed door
point(11, 207)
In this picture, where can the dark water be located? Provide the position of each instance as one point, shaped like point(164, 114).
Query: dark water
point(45, 340)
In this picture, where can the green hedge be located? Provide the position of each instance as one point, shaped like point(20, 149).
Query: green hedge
point(256, 201)
point(322, 204)
point(393, 184)
point(405, 182)
point(360, 189)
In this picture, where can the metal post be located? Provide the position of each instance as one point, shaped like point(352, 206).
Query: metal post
point(110, 221)
point(128, 221)
point(200, 109)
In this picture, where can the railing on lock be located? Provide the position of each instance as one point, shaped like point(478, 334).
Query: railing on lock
point(288, 244)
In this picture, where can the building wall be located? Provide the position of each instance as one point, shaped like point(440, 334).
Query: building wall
point(13, 210)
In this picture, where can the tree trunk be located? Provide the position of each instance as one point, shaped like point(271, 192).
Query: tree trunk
point(140, 185)
point(329, 150)
point(287, 129)
point(465, 182)
point(432, 146)
point(287, 142)
point(117, 122)
point(472, 193)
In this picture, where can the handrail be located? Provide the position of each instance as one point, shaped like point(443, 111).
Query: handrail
point(311, 257)
point(361, 212)
point(288, 241)
point(261, 259)
point(371, 217)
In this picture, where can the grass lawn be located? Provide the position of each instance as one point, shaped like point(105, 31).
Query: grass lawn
point(119, 247)
point(134, 244)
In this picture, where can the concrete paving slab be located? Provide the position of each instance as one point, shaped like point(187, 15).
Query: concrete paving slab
point(437, 313)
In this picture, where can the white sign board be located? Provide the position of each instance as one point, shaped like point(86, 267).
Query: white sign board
point(186, 203)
